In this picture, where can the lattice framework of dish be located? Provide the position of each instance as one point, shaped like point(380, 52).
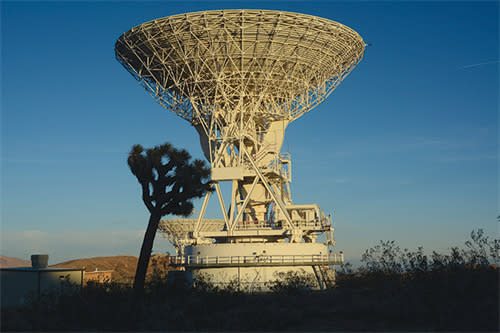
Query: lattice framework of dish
point(179, 230)
point(269, 65)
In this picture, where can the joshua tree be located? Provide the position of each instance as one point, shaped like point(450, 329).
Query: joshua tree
point(169, 182)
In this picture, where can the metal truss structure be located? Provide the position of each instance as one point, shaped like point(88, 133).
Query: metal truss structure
point(240, 77)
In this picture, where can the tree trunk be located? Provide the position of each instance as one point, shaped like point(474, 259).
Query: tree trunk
point(147, 246)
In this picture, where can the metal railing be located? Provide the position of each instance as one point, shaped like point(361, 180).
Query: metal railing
point(316, 223)
point(306, 224)
point(246, 225)
point(258, 260)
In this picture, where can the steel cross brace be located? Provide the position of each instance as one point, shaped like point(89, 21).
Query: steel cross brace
point(276, 199)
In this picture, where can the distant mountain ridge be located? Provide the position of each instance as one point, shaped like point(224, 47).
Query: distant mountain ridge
point(7, 262)
point(123, 266)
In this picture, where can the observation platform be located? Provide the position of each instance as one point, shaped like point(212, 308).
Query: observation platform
point(256, 229)
point(259, 260)
point(214, 228)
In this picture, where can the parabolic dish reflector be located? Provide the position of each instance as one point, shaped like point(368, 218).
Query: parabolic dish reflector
point(274, 64)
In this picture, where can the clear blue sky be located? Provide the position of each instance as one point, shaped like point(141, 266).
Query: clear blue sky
point(406, 148)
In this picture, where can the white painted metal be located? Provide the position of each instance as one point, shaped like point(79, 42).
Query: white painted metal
point(240, 77)
point(255, 266)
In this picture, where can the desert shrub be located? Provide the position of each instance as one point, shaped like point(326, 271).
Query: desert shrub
point(457, 291)
point(482, 250)
point(384, 257)
point(387, 265)
point(205, 284)
point(292, 282)
point(415, 262)
point(388, 258)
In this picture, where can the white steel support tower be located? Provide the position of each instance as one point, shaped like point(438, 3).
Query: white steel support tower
point(240, 77)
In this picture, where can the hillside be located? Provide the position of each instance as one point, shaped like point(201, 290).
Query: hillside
point(6, 262)
point(123, 266)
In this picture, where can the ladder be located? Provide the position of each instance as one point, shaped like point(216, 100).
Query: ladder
point(325, 276)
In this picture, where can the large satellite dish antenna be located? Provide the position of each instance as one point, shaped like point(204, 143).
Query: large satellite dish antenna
point(240, 77)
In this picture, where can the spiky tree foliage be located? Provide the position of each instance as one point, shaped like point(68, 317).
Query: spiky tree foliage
point(169, 182)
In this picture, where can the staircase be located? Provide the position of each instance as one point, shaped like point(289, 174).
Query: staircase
point(325, 276)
